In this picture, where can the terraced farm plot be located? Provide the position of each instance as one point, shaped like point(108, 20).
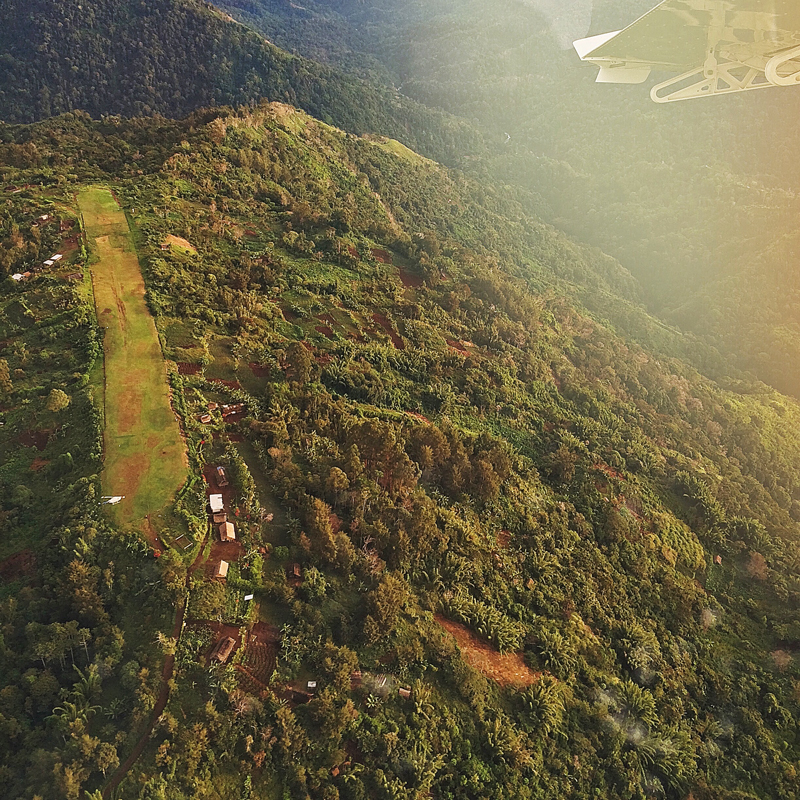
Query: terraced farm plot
point(145, 458)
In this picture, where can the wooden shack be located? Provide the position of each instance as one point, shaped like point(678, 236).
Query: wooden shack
point(222, 569)
point(223, 649)
point(219, 518)
point(227, 533)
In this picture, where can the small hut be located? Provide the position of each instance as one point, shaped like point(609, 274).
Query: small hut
point(215, 501)
point(222, 569)
point(227, 533)
point(219, 518)
point(223, 649)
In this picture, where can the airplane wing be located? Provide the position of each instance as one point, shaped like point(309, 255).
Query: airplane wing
point(714, 46)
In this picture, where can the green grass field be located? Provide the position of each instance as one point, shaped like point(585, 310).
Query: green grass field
point(145, 458)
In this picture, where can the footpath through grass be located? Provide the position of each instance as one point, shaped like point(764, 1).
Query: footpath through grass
point(145, 457)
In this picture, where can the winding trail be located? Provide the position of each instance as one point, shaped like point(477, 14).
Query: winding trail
point(166, 676)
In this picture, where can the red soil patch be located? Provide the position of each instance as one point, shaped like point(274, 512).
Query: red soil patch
point(220, 631)
point(18, 566)
point(228, 384)
point(353, 252)
point(409, 279)
point(288, 315)
point(381, 320)
point(265, 633)
point(503, 539)
point(614, 473)
point(38, 464)
point(69, 245)
point(420, 417)
point(237, 417)
point(324, 330)
point(259, 370)
point(222, 551)
point(384, 256)
point(458, 347)
point(188, 369)
point(329, 318)
point(37, 439)
point(507, 670)
point(151, 534)
point(235, 437)
point(323, 359)
point(212, 487)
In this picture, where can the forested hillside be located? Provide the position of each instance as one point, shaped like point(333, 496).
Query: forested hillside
point(171, 57)
point(697, 200)
point(501, 541)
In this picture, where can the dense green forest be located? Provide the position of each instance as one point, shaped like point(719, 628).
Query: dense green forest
point(697, 200)
point(170, 57)
point(522, 546)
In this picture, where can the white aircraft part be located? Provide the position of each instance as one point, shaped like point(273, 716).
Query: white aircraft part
point(714, 46)
point(779, 77)
point(623, 74)
point(585, 46)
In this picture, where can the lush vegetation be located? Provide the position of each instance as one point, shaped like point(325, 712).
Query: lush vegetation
point(453, 413)
point(697, 200)
point(171, 57)
point(80, 603)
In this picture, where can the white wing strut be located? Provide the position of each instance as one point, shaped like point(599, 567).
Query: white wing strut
point(712, 47)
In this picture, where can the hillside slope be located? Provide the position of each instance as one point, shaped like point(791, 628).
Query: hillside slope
point(171, 57)
point(438, 439)
point(695, 199)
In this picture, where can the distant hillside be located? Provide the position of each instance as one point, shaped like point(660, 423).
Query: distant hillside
point(695, 199)
point(171, 57)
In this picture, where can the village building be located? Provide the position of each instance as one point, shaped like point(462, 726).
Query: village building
point(205, 418)
point(216, 503)
point(56, 257)
point(223, 649)
point(236, 408)
point(227, 533)
point(222, 569)
point(219, 518)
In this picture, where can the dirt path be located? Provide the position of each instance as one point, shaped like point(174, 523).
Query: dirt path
point(158, 710)
point(144, 454)
point(163, 694)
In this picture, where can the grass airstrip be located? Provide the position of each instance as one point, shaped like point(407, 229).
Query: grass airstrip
point(145, 457)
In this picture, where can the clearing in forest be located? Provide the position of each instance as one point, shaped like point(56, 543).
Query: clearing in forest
point(509, 669)
point(145, 458)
